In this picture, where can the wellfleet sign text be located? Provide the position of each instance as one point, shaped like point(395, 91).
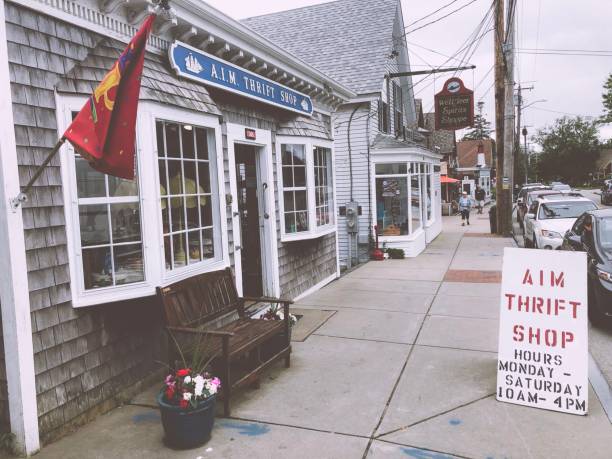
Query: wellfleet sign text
point(192, 63)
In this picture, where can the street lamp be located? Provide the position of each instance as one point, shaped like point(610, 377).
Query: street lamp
point(534, 102)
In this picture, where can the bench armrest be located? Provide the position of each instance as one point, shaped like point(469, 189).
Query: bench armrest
point(196, 331)
point(266, 299)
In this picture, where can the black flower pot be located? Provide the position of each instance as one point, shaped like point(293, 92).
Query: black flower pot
point(187, 428)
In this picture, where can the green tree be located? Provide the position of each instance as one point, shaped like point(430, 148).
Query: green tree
point(607, 101)
point(482, 127)
point(570, 150)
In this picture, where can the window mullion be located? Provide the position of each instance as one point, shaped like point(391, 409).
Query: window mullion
point(310, 203)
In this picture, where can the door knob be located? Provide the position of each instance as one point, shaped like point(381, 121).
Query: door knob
point(237, 248)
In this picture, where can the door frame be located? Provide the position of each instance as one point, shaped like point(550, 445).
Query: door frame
point(236, 133)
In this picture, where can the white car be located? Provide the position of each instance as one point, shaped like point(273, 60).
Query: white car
point(550, 217)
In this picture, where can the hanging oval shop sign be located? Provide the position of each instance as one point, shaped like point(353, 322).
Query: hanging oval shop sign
point(454, 106)
point(192, 63)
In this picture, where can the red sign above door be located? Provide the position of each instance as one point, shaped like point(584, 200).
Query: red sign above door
point(454, 106)
point(250, 134)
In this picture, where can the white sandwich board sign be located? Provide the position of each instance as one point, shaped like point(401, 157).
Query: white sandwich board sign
point(543, 341)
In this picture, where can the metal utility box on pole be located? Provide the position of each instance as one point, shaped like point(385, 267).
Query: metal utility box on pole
point(500, 69)
point(506, 210)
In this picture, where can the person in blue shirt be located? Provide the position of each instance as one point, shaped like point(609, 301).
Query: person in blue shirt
point(465, 204)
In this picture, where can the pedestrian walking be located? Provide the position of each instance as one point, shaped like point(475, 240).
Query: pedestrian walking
point(465, 204)
point(480, 198)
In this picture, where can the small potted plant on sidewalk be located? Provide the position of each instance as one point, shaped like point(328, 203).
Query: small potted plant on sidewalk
point(187, 405)
point(279, 341)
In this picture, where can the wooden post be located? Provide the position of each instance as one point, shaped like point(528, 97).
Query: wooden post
point(499, 109)
point(506, 211)
point(14, 295)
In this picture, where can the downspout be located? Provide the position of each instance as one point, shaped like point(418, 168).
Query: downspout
point(350, 155)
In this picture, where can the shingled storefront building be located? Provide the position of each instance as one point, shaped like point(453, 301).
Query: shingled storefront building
point(248, 150)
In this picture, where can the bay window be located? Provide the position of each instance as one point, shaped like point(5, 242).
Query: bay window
point(306, 187)
point(127, 237)
point(403, 197)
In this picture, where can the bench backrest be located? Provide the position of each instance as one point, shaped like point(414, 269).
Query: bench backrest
point(199, 299)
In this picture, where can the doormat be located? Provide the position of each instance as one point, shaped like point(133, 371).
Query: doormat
point(309, 320)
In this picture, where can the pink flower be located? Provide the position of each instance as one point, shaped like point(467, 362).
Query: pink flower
point(216, 381)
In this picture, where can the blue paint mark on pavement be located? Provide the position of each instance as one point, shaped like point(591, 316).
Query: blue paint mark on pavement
point(417, 453)
point(249, 429)
point(454, 422)
point(149, 416)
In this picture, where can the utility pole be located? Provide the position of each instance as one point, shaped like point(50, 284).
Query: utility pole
point(500, 69)
point(508, 185)
point(527, 159)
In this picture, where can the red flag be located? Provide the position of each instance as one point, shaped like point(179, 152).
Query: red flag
point(104, 131)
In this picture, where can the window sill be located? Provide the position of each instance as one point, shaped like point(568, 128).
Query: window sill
point(306, 235)
point(113, 294)
point(190, 271)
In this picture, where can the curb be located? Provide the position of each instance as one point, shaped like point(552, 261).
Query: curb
point(601, 387)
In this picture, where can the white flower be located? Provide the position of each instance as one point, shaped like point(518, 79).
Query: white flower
point(187, 379)
point(211, 388)
point(199, 385)
point(187, 396)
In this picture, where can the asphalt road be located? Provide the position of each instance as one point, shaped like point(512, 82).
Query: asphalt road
point(594, 195)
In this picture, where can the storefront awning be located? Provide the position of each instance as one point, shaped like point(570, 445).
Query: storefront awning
point(447, 179)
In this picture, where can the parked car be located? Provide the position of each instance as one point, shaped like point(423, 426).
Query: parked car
point(597, 243)
point(521, 205)
point(550, 217)
point(606, 194)
point(563, 187)
point(527, 199)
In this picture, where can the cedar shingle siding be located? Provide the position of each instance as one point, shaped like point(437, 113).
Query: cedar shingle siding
point(82, 357)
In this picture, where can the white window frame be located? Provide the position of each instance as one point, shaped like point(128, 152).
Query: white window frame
point(149, 200)
point(314, 231)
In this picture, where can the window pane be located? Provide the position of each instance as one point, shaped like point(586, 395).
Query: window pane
point(177, 214)
point(193, 215)
point(392, 206)
point(187, 139)
point(121, 187)
point(163, 179)
point(175, 175)
point(300, 200)
point(290, 226)
point(206, 211)
point(165, 216)
point(302, 221)
point(287, 177)
point(159, 131)
point(299, 155)
point(168, 252)
point(202, 143)
point(289, 205)
point(125, 220)
point(173, 147)
point(179, 244)
point(194, 246)
point(208, 243)
point(415, 201)
point(97, 268)
point(94, 224)
point(391, 168)
point(204, 176)
point(128, 264)
point(90, 183)
point(299, 176)
point(190, 177)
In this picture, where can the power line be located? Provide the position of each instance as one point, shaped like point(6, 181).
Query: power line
point(535, 57)
point(431, 14)
point(609, 51)
point(564, 54)
point(433, 51)
point(440, 18)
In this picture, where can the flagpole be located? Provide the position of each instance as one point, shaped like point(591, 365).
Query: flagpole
point(23, 196)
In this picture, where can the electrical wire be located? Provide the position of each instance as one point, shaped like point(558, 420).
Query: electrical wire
point(431, 14)
point(440, 18)
point(535, 58)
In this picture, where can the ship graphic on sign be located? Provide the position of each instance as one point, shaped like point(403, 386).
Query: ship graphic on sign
point(193, 64)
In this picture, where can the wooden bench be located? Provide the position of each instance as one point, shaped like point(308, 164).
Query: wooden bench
point(242, 348)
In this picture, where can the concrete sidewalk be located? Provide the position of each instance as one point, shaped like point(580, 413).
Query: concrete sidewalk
point(406, 367)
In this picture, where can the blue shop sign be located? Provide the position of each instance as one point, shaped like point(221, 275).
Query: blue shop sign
point(190, 62)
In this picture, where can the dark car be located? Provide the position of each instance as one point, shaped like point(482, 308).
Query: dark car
point(592, 233)
point(606, 194)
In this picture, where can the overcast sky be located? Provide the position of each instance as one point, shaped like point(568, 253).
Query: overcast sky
point(569, 84)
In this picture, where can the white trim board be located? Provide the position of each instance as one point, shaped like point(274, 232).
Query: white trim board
point(14, 294)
